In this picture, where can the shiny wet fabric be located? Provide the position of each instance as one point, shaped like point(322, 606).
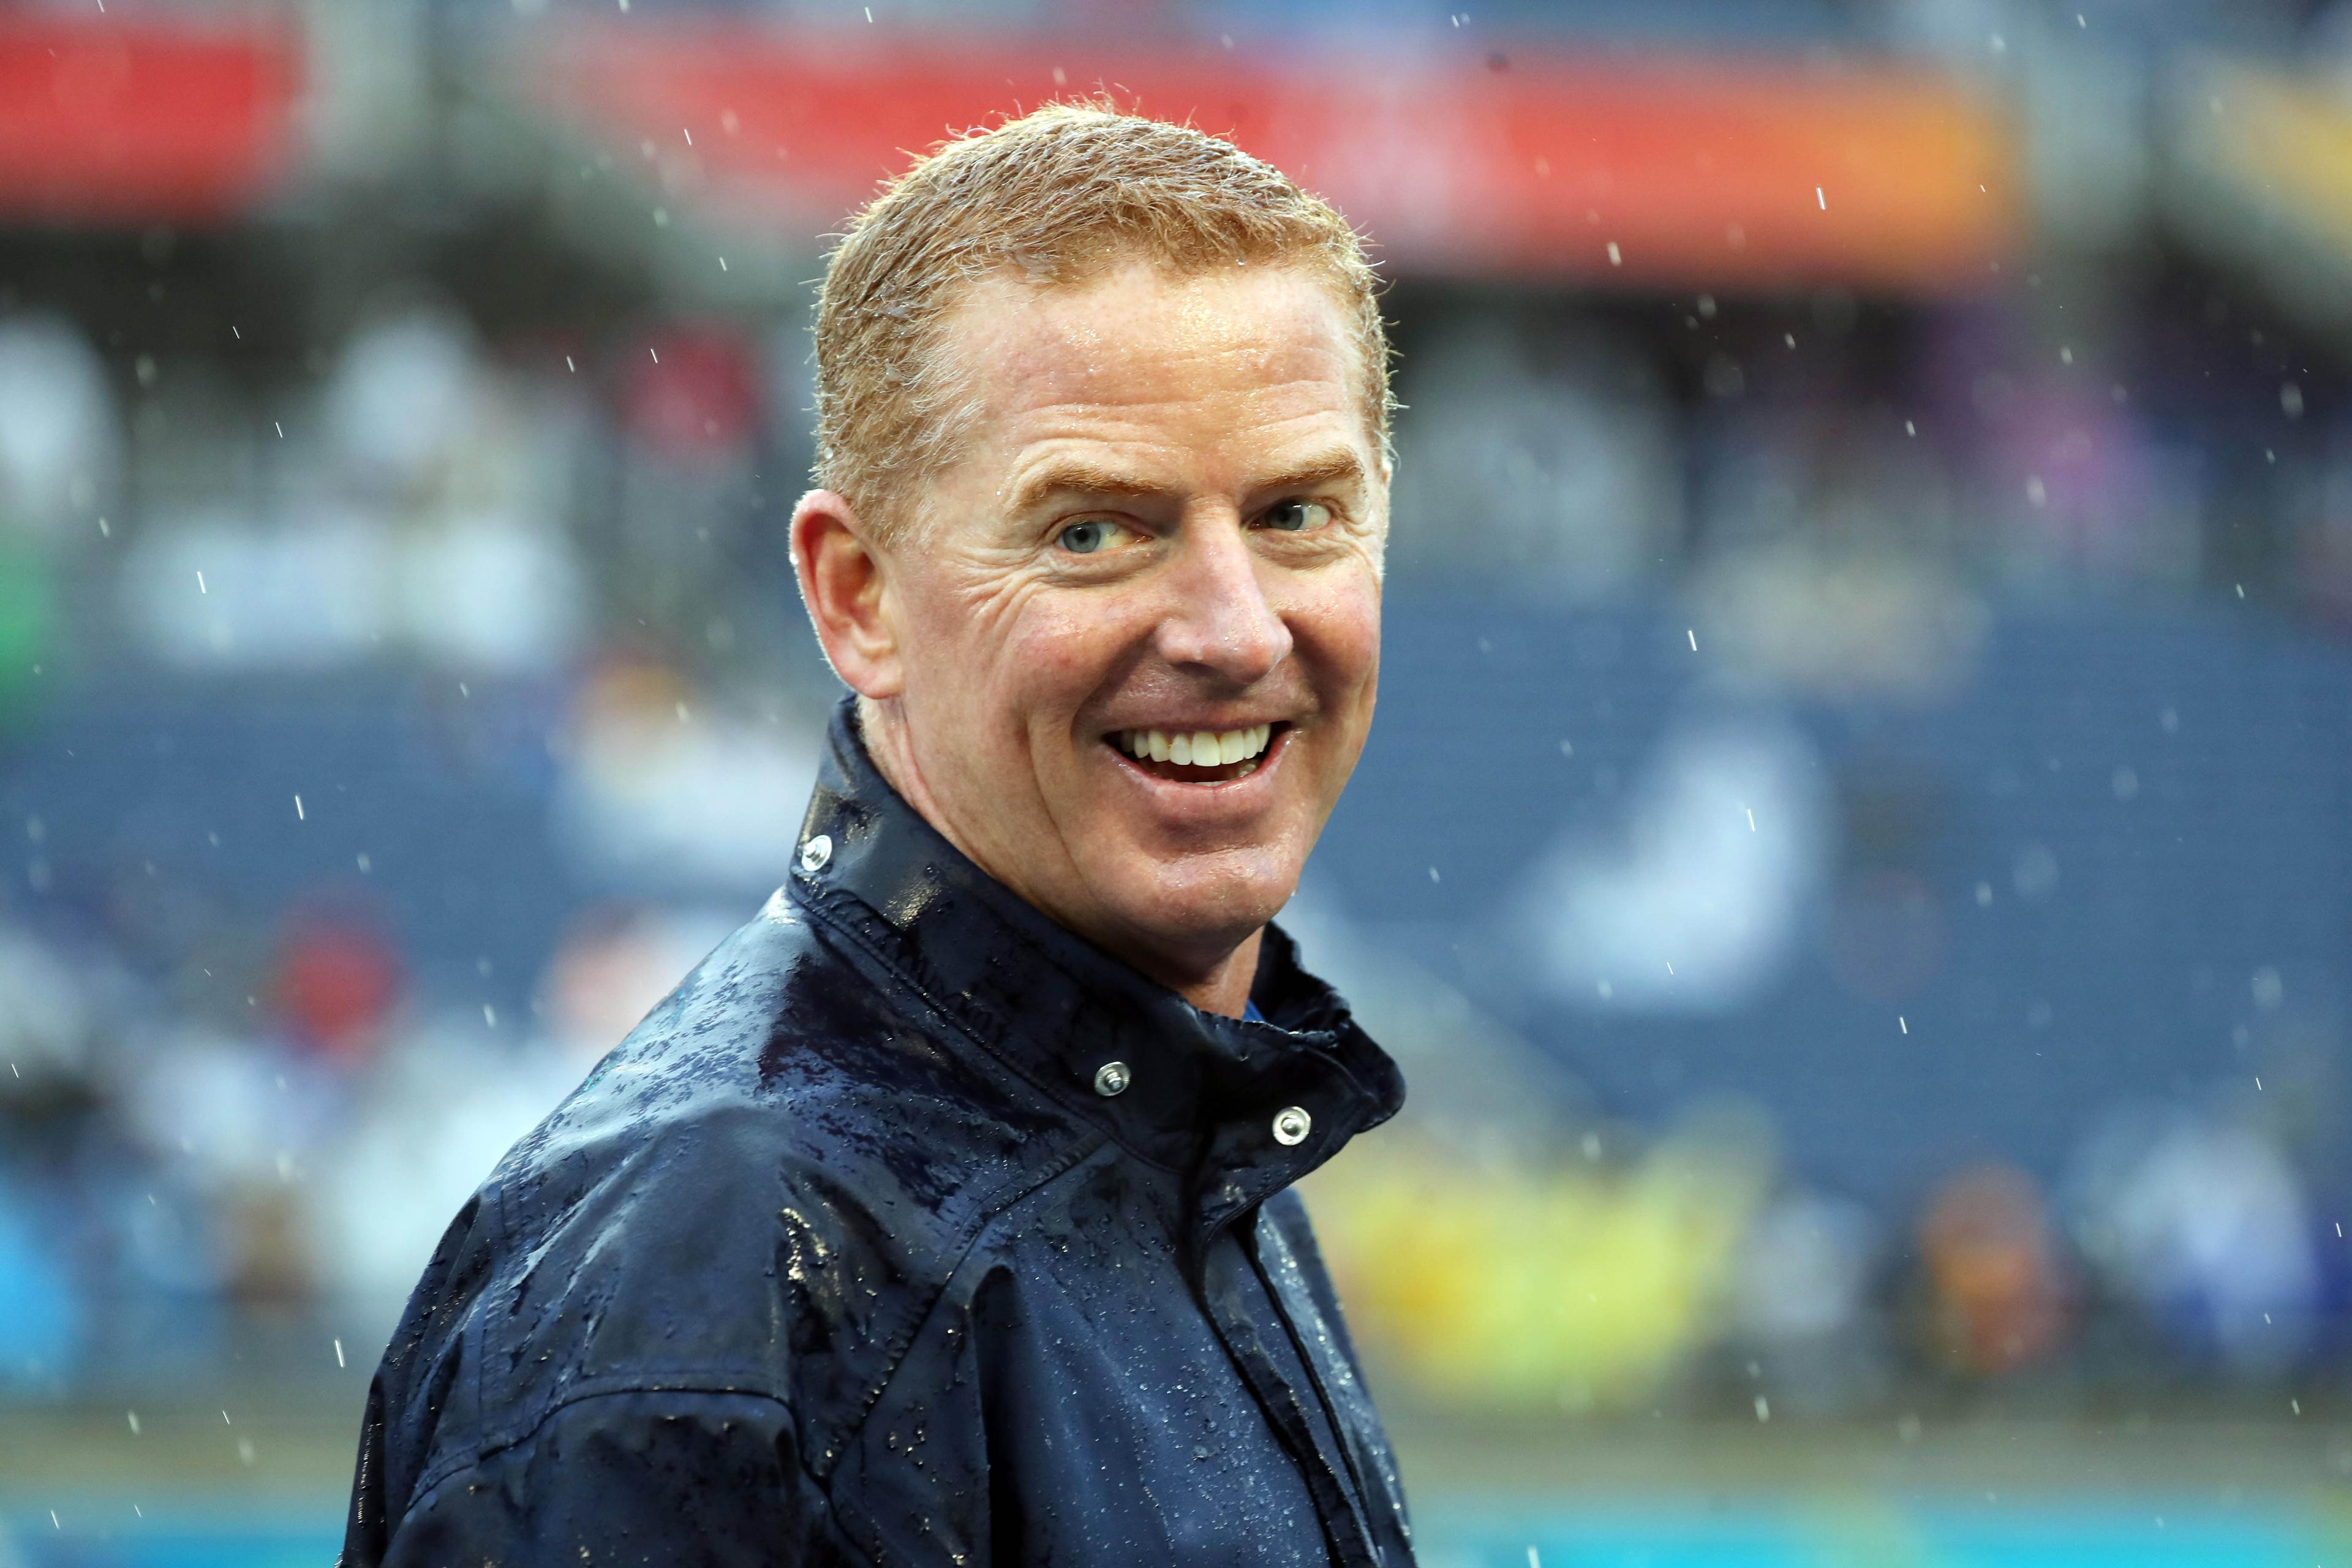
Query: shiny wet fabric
point(843, 1257)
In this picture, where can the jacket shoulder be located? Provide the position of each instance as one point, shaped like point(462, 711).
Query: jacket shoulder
point(760, 1191)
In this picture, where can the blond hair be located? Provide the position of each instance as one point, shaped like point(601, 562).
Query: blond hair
point(1054, 198)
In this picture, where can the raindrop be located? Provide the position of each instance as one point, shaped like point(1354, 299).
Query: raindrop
point(1616, 258)
point(338, 1352)
point(134, 1422)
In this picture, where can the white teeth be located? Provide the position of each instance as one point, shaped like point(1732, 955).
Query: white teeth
point(1196, 747)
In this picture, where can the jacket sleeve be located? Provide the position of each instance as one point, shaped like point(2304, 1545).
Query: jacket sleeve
point(697, 1480)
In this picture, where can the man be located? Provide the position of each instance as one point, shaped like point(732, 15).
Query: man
point(942, 1215)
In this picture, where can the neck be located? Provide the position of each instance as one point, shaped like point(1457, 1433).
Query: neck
point(1214, 982)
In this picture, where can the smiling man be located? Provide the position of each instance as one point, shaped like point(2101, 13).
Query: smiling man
point(943, 1214)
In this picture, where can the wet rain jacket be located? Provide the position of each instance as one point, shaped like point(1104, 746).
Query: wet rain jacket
point(846, 1255)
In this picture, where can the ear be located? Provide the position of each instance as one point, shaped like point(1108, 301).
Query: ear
point(845, 584)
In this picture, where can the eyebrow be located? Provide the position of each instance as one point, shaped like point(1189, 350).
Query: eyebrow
point(1077, 475)
point(1335, 467)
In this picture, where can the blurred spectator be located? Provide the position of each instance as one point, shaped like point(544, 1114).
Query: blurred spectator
point(1804, 1276)
point(1537, 462)
point(612, 966)
point(1997, 1293)
point(60, 437)
point(337, 977)
point(41, 1331)
point(1557, 1284)
point(676, 793)
point(2203, 1224)
point(690, 411)
point(1697, 903)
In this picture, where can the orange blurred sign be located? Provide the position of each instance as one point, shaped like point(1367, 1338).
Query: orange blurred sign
point(143, 120)
point(1712, 173)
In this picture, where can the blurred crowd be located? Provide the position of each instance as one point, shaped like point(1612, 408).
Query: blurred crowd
point(216, 1125)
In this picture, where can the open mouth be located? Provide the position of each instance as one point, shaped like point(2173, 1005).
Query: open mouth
point(1197, 756)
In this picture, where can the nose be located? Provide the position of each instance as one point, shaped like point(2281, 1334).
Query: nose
point(1221, 619)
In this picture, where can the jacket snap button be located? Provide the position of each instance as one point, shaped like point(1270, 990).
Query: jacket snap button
point(1110, 1078)
point(816, 853)
point(1290, 1125)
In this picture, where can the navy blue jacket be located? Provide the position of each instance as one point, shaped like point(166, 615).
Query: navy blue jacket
point(849, 1256)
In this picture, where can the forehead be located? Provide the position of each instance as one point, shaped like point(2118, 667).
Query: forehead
point(1230, 358)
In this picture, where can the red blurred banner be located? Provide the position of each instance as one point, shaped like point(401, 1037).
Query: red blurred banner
point(143, 120)
point(1714, 173)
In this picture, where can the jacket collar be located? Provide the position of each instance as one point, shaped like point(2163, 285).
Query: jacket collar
point(1203, 1092)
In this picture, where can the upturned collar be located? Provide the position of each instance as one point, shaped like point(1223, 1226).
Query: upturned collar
point(1246, 1108)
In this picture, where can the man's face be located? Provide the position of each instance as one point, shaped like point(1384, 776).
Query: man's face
point(1167, 525)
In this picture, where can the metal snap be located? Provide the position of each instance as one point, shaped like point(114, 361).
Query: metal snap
point(1291, 1125)
point(1111, 1079)
point(816, 853)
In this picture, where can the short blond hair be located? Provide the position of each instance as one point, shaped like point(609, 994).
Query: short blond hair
point(1054, 198)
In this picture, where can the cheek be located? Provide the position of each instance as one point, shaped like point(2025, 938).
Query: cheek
point(1338, 625)
point(1051, 657)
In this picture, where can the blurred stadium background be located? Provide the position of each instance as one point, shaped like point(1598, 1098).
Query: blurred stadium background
point(1857, 856)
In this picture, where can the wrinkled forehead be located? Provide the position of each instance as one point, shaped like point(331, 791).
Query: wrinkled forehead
point(1138, 335)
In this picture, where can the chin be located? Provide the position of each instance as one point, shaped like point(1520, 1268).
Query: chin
point(1212, 908)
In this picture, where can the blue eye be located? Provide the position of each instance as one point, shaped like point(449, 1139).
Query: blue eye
point(1086, 537)
point(1291, 516)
